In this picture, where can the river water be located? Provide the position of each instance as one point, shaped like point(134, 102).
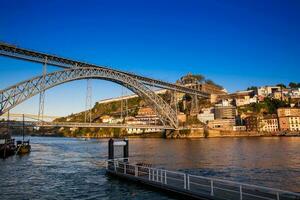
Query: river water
point(68, 168)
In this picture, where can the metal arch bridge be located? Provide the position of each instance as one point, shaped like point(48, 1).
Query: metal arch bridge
point(75, 70)
point(19, 116)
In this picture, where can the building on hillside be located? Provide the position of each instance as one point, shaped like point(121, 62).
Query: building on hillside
point(267, 90)
point(239, 98)
point(239, 128)
point(242, 98)
point(181, 117)
point(289, 119)
point(226, 102)
point(294, 93)
point(268, 123)
point(146, 115)
point(194, 82)
point(140, 131)
point(260, 98)
point(280, 96)
point(251, 123)
point(133, 121)
point(206, 115)
point(223, 124)
point(225, 112)
point(146, 111)
point(106, 119)
point(117, 121)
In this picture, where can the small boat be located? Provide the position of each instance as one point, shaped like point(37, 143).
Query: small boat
point(7, 147)
point(23, 147)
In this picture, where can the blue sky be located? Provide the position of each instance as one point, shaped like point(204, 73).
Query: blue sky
point(235, 43)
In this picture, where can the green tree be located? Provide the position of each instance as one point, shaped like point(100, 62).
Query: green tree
point(208, 81)
point(180, 105)
point(199, 77)
point(187, 97)
point(293, 85)
point(252, 88)
point(281, 85)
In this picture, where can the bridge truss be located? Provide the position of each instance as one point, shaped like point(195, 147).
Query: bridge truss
point(34, 56)
point(22, 91)
point(75, 70)
point(82, 125)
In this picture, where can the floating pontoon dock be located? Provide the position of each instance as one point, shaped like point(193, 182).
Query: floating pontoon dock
point(191, 186)
point(187, 185)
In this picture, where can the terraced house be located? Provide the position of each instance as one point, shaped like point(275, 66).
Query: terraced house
point(289, 119)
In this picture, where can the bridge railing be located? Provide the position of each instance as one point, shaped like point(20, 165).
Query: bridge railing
point(197, 185)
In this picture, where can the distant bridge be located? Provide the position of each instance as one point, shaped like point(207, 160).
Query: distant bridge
point(81, 125)
point(18, 116)
point(75, 70)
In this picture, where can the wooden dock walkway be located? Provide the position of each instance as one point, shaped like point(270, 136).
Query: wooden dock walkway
point(195, 187)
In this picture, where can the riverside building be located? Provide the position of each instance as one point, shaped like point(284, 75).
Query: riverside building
point(289, 119)
point(268, 123)
point(225, 112)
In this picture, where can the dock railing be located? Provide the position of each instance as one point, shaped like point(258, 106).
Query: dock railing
point(194, 185)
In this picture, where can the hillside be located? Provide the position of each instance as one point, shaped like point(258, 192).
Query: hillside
point(111, 108)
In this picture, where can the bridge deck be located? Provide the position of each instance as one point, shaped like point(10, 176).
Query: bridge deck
point(39, 57)
point(84, 125)
point(195, 187)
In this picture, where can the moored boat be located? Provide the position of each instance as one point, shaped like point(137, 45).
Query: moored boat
point(7, 147)
point(23, 147)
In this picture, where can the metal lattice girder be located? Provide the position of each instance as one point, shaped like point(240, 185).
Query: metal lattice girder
point(22, 91)
point(81, 125)
point(34, 56)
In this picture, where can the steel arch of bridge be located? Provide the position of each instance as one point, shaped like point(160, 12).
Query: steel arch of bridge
point(22, 91)
point(39, 57)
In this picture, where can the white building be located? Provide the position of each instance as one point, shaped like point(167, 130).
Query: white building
point(106, 119)
point(206, 116)
point(239, 128)
point(295, 93)
point(244, 97)
point(294, 123)
point(267, 90)
point(139, 130)
point(117, 121)
point(269, 123)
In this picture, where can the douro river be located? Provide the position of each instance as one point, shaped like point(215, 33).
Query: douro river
point(71, 168)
